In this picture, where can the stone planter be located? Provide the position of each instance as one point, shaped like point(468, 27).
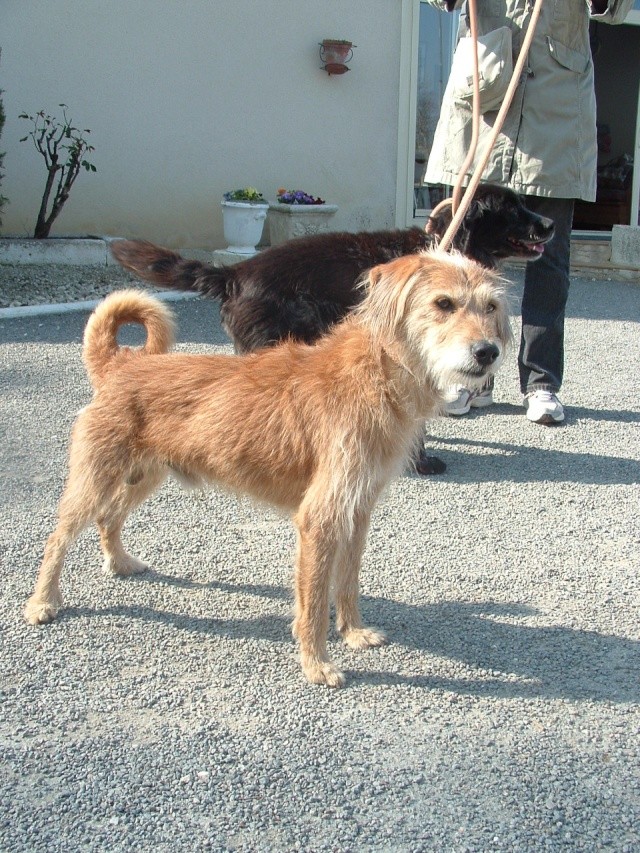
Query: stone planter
point(243, 223)
point(287, 221)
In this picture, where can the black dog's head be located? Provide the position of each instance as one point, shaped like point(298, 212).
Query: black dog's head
point(496, 226)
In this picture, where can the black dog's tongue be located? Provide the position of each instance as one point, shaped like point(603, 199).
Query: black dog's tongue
point(534, 247)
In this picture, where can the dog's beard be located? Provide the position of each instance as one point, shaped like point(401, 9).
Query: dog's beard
point(455, 365)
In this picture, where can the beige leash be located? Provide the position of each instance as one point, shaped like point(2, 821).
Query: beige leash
point(460, 209)
point(475, 116)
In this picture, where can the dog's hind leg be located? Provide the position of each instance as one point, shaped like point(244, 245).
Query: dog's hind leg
point(116, 560)
point(347, 592)
point(318, 542)
point(76, 512)
point(95, 491)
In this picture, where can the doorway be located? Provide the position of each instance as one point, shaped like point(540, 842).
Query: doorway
point(428, 43)
point(617, 83)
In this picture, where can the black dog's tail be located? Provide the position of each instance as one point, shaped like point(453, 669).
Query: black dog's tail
point(168, 269)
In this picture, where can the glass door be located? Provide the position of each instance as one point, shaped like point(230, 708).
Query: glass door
point(436, 42)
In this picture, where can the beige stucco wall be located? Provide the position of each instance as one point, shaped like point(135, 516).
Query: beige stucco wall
point(188, 99)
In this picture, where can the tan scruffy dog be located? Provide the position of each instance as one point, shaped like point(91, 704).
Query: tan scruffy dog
point(337, 420)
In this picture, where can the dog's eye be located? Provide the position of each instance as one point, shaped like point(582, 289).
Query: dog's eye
point(491, 307)
point(445, 304)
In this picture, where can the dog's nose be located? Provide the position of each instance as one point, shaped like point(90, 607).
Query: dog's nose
point(485, 353)
point(547, 225)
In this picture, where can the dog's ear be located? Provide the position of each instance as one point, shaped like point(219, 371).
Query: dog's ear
point(474, 211)
point(375, 274)
point(388, 288)
point(505, 331)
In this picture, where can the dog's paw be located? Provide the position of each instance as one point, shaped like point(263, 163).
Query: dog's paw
point(323, 672)
point(364, 638)
point(124, 567)
point(39, 611)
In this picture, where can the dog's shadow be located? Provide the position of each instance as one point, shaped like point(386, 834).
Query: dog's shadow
point(267, 627)
point(513, 658)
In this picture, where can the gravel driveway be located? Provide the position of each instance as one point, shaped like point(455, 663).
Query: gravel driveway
point(168, 713)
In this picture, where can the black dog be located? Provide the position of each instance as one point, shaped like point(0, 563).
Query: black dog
point(301, 288)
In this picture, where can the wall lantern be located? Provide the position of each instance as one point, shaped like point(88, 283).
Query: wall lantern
point(335, 53)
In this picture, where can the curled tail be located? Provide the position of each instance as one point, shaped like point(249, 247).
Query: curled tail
point(100, 345)
point(168, 269)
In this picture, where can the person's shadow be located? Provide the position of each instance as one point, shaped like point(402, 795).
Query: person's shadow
point(524, 463)
point(517, 658)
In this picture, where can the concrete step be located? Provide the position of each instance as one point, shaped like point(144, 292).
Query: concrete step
point(625, 245)
point(605, 257)
point(90, 251)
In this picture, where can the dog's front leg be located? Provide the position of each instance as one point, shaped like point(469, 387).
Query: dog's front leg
point(318, 538)
point(347, 592)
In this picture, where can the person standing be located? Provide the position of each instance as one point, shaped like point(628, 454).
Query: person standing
point(546, 152)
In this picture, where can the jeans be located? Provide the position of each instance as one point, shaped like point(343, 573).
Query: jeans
point(546, 289)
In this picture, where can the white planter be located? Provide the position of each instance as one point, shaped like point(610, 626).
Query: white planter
point(243, 223)
point(287, 221)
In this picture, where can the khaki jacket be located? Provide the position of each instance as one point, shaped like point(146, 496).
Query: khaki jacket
point(547, 146)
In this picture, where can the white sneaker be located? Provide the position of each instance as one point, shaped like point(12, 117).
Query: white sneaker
point(465, 400)
point(480, 399)
point(543, 407)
